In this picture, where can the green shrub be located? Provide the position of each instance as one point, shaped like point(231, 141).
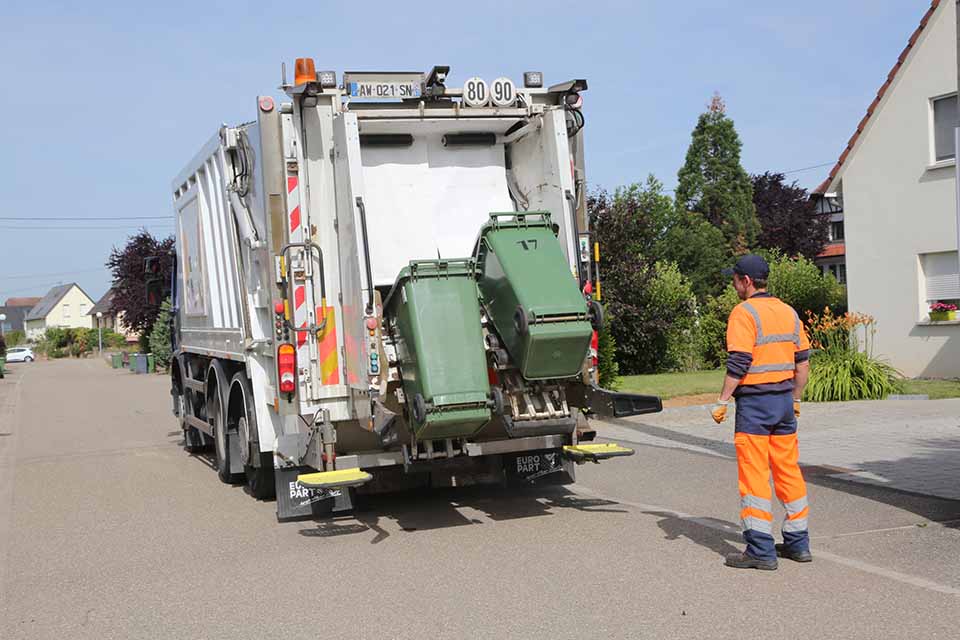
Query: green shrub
point(839, 376)
point(608, 370)
point(712, 329)
point(113, 340)
point(673, 300)
point(160, 336)
point(843, 367)
point(801, 284)
point(14, 338)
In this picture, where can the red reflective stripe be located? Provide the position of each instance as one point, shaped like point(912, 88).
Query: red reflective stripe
point(291, 183)
point(301, 336)
point(298, 296)
point(295, 218)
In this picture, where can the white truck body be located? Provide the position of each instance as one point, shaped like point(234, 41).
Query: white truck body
point(297, 205)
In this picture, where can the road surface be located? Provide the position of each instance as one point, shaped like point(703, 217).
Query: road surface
point(108, 529)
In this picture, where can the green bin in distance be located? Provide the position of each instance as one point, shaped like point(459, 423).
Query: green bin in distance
point(433, 314)
point(116, 360)
point(531, 296)
point(3, 363)
point(151, 363)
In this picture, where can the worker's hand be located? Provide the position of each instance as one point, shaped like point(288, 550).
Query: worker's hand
point(719, 411)
point(796, 407)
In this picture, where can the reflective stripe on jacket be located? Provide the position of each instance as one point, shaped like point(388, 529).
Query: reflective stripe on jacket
point(772, 333)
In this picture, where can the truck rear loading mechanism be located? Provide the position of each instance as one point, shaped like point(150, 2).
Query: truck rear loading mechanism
point(387, 283)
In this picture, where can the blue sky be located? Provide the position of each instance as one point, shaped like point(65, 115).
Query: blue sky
point(102, 103)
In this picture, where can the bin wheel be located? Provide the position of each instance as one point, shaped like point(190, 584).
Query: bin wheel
point(492, 342)
point(496, 400)
point(419, 409)
point(596, 315)
point(501, 358)
point(520, 321)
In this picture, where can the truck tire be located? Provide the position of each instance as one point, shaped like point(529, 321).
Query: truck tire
point(221, 444)
point(259, 476)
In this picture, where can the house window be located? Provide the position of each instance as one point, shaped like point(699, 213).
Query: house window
point(940, 279)
point(945, 120)
point(66, 310)
point(836, 231)
point(83, 309)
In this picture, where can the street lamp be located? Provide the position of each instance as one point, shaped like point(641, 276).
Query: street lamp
point(100, 332)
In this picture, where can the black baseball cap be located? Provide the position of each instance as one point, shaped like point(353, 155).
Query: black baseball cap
point(749, 265)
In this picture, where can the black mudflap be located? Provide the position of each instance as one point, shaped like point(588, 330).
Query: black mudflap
point(296, 503)
point(541, 467)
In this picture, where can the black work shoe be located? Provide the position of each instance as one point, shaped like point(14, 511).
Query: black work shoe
point(796, 556)
point(746, 561)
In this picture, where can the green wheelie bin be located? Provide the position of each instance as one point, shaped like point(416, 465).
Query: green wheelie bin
point(3, 363)
point(433, 314)
point(531, 296)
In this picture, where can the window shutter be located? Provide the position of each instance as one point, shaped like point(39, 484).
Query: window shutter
point(942, 276)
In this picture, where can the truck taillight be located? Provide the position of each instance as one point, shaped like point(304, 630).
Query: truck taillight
point(287, 367)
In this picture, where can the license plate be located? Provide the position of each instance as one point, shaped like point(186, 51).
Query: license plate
point(383, 90)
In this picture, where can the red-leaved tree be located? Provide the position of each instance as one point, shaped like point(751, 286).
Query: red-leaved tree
point(787, 218)
point(128, 266)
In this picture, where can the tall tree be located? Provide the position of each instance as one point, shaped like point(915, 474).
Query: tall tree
point(128, 266)
point(630, 226)
point(699, 249)
point(787, 218)
point(713, 183)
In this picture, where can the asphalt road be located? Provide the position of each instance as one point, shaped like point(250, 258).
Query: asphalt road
point(109, 530)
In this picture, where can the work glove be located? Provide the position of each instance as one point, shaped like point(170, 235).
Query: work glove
point(719, 411)
point(796, 407)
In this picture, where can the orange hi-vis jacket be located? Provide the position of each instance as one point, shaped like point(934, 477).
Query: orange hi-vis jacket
point(769, 330)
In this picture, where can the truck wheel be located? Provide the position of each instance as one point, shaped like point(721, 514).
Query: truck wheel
point(221, 448)
point(259, 477)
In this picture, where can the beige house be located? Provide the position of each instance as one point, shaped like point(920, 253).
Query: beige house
point(109, 318)
point(896, 187)
point(64, 306)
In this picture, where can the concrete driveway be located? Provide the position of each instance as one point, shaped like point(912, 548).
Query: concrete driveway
point(109, 530)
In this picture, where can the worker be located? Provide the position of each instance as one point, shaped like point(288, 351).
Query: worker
point(767, 368)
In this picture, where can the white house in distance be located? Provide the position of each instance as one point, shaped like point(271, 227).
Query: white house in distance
point(896, 186)
point(63, 306)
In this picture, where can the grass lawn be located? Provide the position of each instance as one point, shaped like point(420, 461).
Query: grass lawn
point(672, 385)
point(936, 389)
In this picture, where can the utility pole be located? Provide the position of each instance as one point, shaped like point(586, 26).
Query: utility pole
point(956, 138)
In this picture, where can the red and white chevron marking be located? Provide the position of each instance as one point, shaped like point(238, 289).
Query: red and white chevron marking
point(295, 228)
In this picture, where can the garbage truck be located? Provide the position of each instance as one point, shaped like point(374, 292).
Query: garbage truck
point(385, 282)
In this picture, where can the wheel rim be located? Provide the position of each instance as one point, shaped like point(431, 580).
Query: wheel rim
point(219, 435)
point(244, 435)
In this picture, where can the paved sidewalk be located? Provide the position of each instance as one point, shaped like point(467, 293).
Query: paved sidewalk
point(909, 445)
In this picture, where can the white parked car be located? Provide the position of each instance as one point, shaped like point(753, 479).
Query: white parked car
point(20, 354)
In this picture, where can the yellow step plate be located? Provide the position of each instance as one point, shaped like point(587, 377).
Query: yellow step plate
point(331, 479)
point(595, 452)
